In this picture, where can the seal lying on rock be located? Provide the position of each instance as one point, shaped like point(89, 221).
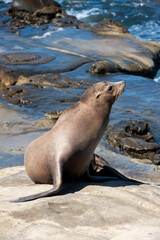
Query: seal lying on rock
point(66, 151)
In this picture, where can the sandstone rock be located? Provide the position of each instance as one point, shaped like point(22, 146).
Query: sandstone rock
point(54, 115)
point(111, 210)
point(134, 67)
point(49, 12)
point(22, 80)
point(25, 58)
point(7, 78)
point(67, 21)
point(134, 138)
point(37, 95)
point(108, 26)
point(129, 62)
point(103, 67)
point(138, 128)
point(38, 13)
point(31, 6)
point(14, 95)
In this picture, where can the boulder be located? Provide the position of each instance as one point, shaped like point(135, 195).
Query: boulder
point(40, 12)
point(130, 62)
point(31, 5)
point(50, 12)
point(134, 138)
point(7, 78)
point(102, 67)
point(32, 12)
point(108, 26)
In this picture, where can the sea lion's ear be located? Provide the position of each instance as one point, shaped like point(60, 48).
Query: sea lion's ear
point(98, 94)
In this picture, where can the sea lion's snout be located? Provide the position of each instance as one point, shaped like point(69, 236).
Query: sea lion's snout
point(119, 89)
point(121, 85)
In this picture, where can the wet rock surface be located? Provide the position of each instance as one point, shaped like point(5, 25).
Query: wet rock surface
point(31, 6)
point(135, 139)
point(38, 12)
point(47, 60)
point(104, 67)
point(24, 58)
point(32, 12)
point(7, 78)
point(54, 115)
point(37, 91)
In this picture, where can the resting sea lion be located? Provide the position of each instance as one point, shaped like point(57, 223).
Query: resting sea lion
point(67, 149)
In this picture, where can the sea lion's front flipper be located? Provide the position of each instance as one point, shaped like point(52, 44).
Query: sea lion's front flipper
point(98, 178)
point(101, 170)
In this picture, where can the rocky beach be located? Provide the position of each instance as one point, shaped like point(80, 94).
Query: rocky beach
point(48, 58)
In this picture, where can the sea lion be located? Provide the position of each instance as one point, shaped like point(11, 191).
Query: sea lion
point(67, 149)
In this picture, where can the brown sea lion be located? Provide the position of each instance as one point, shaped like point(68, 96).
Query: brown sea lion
point(67, 149)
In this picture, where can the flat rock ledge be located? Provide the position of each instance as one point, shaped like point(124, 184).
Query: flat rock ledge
point(112, 210)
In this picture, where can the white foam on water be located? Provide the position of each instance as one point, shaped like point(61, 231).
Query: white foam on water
point(47, 34)
point(140, 4)
point(149, 31)
point(16, 47)
point(85, 13)
point(157, 79)
point(42, 36)
point(59, 30)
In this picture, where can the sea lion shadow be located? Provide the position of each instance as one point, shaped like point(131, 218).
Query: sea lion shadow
point(76, 186)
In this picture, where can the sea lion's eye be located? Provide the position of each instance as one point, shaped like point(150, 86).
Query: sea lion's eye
point(109, 88)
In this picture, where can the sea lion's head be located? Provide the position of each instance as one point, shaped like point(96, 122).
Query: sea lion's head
point(103, 94)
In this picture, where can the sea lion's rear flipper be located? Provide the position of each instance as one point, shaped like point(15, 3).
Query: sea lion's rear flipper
point(101, 170)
